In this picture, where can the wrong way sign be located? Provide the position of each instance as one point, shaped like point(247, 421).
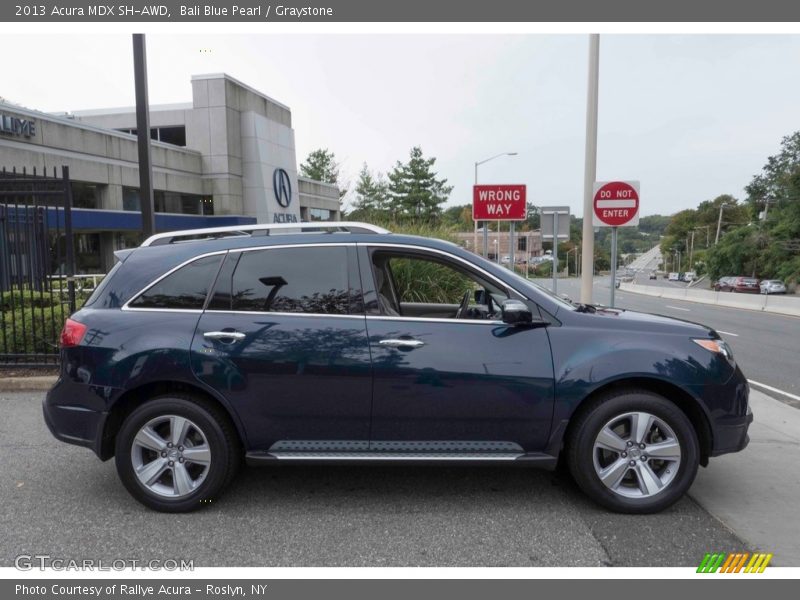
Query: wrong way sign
point(499, 203)
point(616, 203)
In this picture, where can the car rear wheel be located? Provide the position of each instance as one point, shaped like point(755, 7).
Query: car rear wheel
point(633, 451)
point(176, 453)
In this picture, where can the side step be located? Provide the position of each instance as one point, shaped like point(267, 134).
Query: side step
point(281, 455)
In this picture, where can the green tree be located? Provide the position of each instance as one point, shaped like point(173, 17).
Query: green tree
point(321, 165)
point(414, 189)
point(371, 196)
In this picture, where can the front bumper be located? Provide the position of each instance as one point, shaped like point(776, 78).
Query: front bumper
point(731, 435)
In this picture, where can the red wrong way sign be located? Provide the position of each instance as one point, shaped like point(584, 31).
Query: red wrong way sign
point(499, 203)
point(616, 203)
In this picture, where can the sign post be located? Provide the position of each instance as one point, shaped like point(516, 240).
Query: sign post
point(499, 203)
point(556, 229)
point(616, 204)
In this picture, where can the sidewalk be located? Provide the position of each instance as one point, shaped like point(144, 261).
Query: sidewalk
point(757, 492)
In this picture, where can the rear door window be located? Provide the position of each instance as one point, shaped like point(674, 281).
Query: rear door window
point(311, 280)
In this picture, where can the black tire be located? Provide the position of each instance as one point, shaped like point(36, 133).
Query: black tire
point(602, 410)
point(221, 437)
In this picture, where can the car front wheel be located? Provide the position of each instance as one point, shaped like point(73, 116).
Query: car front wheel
point(176, 453)
point(633, 451)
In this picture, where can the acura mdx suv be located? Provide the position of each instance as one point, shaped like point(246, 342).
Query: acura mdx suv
point(343, 342)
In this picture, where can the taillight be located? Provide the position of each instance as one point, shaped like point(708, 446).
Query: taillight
point(72, 334)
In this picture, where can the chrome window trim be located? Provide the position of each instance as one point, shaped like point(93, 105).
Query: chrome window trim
point(323, 245)
point(284, 314)
point(435, 320)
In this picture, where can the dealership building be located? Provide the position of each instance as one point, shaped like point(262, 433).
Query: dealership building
point(225, 158)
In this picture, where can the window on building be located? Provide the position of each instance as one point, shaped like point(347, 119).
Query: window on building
point(87, 253)
point(130, 199)
point(85, 195)
point(186, 288)
point(170, 202)
point(126, 239)
point(175, 135)
point(522, 243)
point(319, 214)
point(172, 135)
point(293, 280)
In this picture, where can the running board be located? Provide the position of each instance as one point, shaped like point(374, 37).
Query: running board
point(534, 459)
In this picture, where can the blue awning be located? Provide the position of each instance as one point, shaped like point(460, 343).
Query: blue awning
point(84, 219)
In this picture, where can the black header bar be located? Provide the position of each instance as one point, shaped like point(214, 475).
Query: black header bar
point(460, 11)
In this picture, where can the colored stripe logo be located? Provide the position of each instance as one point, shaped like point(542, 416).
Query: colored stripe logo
point(735, 562)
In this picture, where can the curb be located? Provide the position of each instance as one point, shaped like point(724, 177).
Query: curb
point(40, 383)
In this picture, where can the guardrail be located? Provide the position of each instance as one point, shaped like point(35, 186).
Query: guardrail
point(782, 305)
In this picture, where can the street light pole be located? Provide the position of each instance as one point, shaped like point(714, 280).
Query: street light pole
point(590, 168)
point(486, 223)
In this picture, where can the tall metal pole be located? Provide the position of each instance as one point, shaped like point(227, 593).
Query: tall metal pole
point(613, 264)
point(555, 251)
point(69, 239)
point(143, 135)
point(511, 232)
point(590, 169)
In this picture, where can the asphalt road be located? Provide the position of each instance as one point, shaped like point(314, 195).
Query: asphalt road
point(765, 345)
point(60, 500)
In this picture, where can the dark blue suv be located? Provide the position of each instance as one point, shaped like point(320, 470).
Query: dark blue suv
point(343, 342)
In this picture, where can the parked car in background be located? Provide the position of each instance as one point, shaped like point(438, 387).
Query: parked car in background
point(689, 276)
point(723, 284)
point(319, 342)
point(741, 285)
point(772, 286)
point(653, 275)
point(745, 285)
point(674, 277)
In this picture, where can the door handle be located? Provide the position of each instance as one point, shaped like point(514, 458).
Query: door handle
point(399, 343)
point(224, 335)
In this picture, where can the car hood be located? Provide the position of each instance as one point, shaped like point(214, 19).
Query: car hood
point(645, 322)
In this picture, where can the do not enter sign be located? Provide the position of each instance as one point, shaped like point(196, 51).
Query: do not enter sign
point(616, 203)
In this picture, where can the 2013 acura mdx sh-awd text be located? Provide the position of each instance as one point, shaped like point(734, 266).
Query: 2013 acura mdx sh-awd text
point(343, 342)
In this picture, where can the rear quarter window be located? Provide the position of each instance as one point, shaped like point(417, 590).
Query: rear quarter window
point(185, 288)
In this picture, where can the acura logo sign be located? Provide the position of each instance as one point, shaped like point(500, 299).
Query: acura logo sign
point(282, 186)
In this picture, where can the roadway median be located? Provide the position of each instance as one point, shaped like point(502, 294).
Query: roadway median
point(782, 305)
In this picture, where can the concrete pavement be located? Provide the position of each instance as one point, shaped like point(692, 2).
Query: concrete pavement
point(756, 492)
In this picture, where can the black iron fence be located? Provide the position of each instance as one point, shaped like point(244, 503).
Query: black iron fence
point(37, 265)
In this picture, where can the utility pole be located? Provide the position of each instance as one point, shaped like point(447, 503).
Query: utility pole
point(719, 222)
point(691, 251)
point(590, 169)
point(143, 135)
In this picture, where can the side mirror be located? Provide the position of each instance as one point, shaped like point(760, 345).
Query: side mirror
point(516, 312)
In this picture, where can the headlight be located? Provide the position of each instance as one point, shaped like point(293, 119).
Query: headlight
point(718, 346)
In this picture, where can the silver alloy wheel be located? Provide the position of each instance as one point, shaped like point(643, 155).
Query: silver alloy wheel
point(170, 456)
point(636, 455)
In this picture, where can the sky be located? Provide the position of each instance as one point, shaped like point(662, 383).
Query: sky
point(689, 116)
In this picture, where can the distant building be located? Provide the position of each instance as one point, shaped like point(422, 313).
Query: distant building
point(216, 161)
point(528, 243)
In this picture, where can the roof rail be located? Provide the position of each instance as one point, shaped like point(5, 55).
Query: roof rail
point(171, 237)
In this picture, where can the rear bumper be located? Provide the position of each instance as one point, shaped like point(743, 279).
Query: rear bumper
point(75, 413)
